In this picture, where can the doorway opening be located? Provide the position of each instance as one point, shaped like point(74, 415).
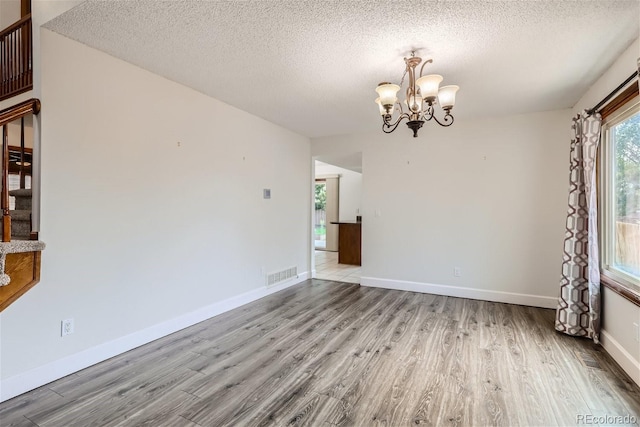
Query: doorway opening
point(337, 200)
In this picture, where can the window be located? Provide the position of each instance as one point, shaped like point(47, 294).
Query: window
point(620, 196)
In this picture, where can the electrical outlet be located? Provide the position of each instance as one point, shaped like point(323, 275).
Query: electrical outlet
point(67, 327)
point(457, 272)
point(636, 332)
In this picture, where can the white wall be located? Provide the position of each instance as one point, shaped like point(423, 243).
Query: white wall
point(9, 12)
point(618, 314)
point(350, 197)
point(488, 196)
point(152, 213)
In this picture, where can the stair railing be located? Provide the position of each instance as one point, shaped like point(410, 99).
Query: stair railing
point(8, 115)
point(16, 62)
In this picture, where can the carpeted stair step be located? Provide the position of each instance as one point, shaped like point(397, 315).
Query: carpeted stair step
point(20, 224)
point(23, 198)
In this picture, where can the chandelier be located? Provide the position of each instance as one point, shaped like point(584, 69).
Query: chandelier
point(422, 95)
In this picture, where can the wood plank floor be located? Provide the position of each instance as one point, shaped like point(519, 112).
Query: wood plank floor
point(333, 354)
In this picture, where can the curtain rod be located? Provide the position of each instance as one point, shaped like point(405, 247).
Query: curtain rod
point(612, 94)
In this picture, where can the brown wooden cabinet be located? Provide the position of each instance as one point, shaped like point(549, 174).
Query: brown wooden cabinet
point(349, 242)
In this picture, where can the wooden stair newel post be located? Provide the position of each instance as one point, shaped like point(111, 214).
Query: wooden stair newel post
point(6, 218)
point(23, 178)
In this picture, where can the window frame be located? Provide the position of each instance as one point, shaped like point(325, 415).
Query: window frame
point(621, 108)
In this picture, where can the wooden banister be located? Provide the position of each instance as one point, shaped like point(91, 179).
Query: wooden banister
point(16, 62)
point(11, 28)
point(30, 106)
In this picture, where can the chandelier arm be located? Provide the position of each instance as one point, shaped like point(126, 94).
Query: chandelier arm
point(428, 113)
point(428, 61)
point(385, 127)
point(447, 120)
point(394, 125)
point(400, 117)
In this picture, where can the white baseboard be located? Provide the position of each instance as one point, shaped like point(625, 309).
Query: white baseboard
point(52, 371)
point(314, 274)
point(630, 365)
point(626, 361)
point(456, 291)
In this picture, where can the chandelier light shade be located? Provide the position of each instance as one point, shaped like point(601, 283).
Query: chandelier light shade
point(429, 86)
point(382, 109)
point(447, 97)
point(422, 95)
point(387, 92)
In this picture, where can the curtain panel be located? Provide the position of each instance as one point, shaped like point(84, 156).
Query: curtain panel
point(578, 310)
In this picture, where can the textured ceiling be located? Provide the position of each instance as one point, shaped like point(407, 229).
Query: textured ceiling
point(312, 66)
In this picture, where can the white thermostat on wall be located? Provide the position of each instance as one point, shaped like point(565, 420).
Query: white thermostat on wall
point(266, 193)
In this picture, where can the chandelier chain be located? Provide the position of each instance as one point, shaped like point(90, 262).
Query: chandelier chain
point(403, 76)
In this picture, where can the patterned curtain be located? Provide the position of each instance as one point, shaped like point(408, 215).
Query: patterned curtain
point(578, 310)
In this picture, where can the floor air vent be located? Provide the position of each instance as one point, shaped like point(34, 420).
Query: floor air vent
point(588, 360)
point(282, 276)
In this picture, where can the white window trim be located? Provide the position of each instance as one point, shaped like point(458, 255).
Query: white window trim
point(607, 239)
